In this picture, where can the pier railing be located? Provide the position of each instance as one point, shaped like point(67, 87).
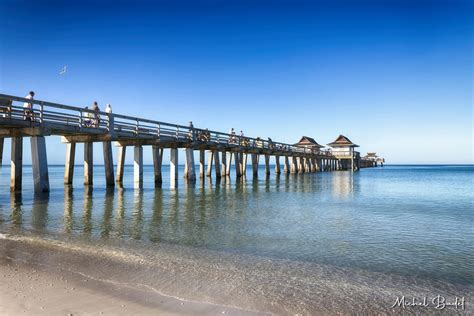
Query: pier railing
point(86, 121)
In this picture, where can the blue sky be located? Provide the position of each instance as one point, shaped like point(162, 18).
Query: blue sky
point(394, 76)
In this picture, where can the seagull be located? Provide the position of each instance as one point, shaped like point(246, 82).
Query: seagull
point(63, 71)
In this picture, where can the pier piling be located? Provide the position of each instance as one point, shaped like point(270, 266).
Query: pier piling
point(69, 166)
point(108, 164)
point(88, 163)
point(16, 164)
point(39, 163)
point(120, 164)
point(277, 164)
point(157, 164)
point(267, 164)
point(173, 167)
point(190, 172)
point(138, 167)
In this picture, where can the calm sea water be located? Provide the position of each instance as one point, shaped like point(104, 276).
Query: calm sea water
point(415, 220)
point(402, 220)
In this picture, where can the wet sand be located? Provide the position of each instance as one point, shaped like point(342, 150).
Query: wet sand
point(43, 276)
point(28, 287)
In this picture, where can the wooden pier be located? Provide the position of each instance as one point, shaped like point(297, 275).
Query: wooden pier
point(79, 125)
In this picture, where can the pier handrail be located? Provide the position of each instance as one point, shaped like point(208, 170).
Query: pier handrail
point(85, 120)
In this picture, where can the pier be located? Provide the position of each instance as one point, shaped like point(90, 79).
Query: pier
point(77, 125)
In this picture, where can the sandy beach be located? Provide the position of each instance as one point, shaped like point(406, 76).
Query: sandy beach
point(52, 277)
point(35, 288)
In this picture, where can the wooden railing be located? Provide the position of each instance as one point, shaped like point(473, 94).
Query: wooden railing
point(87, 120)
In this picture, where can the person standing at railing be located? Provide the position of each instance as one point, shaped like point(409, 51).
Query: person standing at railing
point(28, 107)
point(108, 110)
point(232, 138)
point(191, 134)
point(270, 143)
point(87, 118)
point(95, 108)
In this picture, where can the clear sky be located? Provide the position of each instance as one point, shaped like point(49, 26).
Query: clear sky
point(393, 76)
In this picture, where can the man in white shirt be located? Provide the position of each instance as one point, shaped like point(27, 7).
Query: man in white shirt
point(108, 109)
point(28, 107)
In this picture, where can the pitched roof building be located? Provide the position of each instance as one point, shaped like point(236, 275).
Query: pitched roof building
point(308, 142)
point(342, 141)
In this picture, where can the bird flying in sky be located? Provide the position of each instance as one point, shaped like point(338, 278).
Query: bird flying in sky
point(63, 70)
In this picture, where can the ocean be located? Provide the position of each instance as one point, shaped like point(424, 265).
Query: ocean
point(300, 243)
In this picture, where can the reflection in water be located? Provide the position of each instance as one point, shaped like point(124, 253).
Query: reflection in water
point(190, 213)
point(330, 218)
point(40, 211)
point(68, 209)
point(343, 184)
point(137, 215)
point(16, 209)
point(157, 216)
point(87, 211)
point(106, 226)
point(120, 213)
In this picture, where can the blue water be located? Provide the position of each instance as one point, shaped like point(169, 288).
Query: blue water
point(406, 220)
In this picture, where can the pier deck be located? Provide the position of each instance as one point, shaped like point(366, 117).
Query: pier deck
point(81, 125)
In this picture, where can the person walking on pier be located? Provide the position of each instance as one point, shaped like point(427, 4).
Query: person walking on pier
point(232, 138)
point(28, 107)
point(108, 109)
point(95, 108)
point(191, 134)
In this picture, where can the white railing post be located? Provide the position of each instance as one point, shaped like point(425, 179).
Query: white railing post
point(158, 130)
point(137, 126)
point(41, 112)
point(177, 132)
point(80, 118)
point(110, 125)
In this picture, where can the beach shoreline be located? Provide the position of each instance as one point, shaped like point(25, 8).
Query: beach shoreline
point(43, 276)
point(32, 288)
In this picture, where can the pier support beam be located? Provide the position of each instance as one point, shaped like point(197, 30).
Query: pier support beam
point(173, 167)
point(88, 163)
point(286, 168)
point(16, 164)
point(120, 164)
point(210, 158)
point(238, 165)
point(157, 164)
point(202, 162)
point(2, 140)
point(244, 164)
point(190, 172)
point(217, 164)
point(314, 167)
point(229, 162)
point(300, 165)
point(309, 165)
point(69, 166)
point(267, 164)
point(224, 164)
point(294, 165)
point(277, 164)
point(39, 162)
point(108, 164)
point(255, 165)
point(138, 167)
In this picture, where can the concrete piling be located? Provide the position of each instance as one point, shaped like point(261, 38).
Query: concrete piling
point(69, 166)
point(39, 163)
point(88, 163)
point(138, 167)
point(108, 164)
